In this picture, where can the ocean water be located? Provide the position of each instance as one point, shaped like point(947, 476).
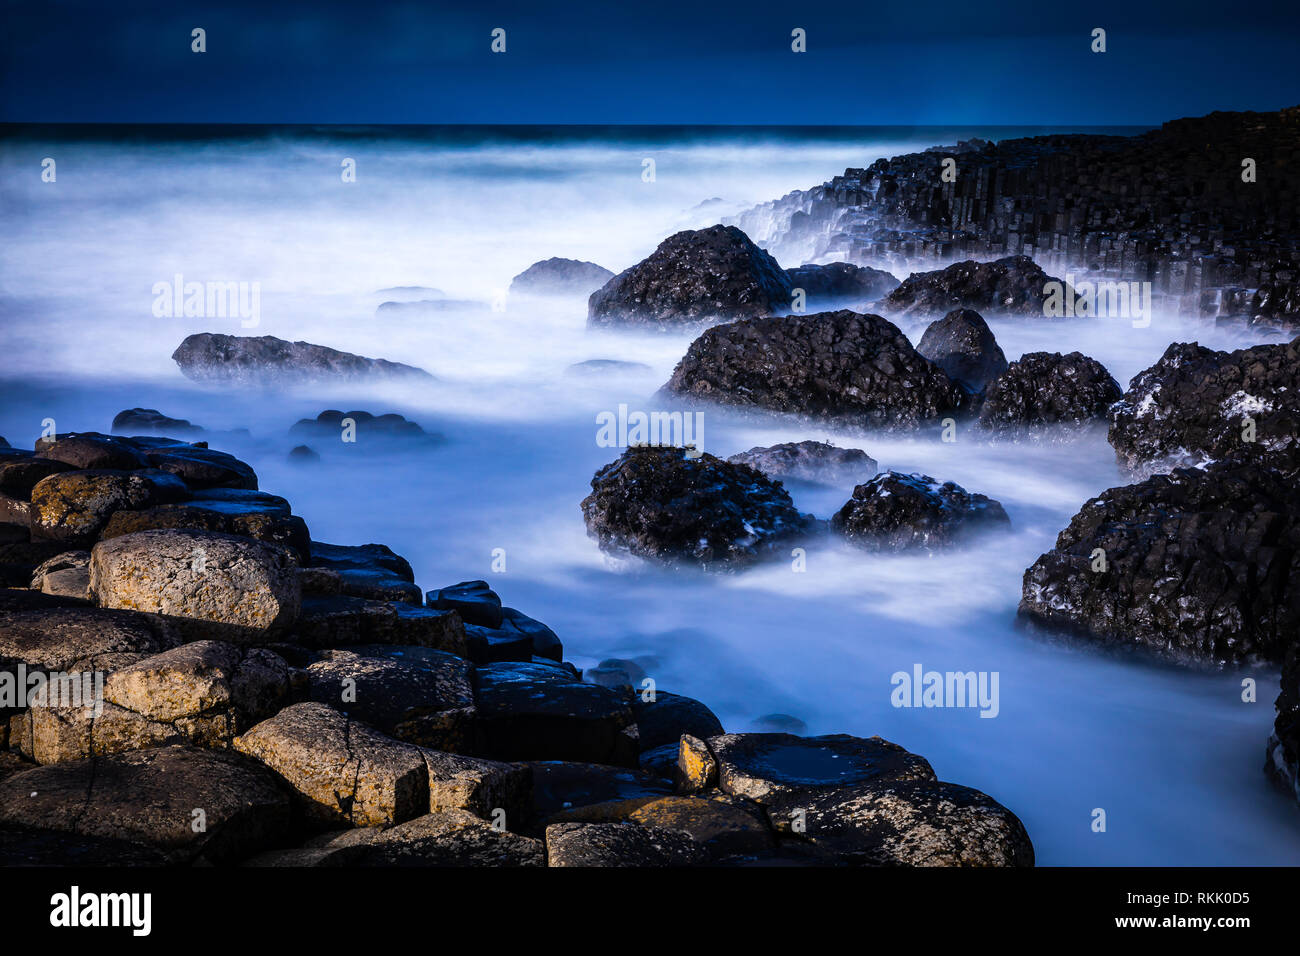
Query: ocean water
point(1173, 757)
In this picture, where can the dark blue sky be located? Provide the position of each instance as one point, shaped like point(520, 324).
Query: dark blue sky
point(645, 61)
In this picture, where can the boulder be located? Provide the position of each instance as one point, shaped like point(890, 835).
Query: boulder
point(75, 506)
point(766, 768)
point(157, 798)
point(722, 826)
point(202, 468)
point(443, 838)
point(49, 634)
point(1197, 405)
point(340, 620)
point(620, 844)
point(474, 601)
point(303, 455)
point(557, 276)
point(372, 571)
point(838, 367)
point(906, 823)
point(1013, 285)
point(537, 712)
point(697, 769)
point(415, 694)
point(91, 450)
point(344, 773)
point(252, 518)
point(812, 461)
point(1047, 395)
point(663, 720)
point(266, 360)
point(1197, 566)
point(838, 282)
point(897, 512)
point(150, 421)
point(691, 278)
point(963, 345)
point(213, 585)
point(64, 575)
point(659, 503)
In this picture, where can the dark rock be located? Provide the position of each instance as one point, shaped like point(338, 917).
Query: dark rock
point(838, 282)
point(1282, 760)
point(415, 694)
point(64, 575)
point(895, 512)
point(342, 620)
point(303, 455)
point(1048, 395)
point(1197, 566)
point(50, 634)
point(1192, 406)
point(663, 720)
point(151, 797)
point(620, 844)
point(830, 366)
point(90, 450)
point(475, 601)
point(768, 767)
point(150, 421)
point(560, 277)
point(1013, 285)
point(372, 571)
point(657, 503)
point(723, 827)
point(534, 712)
point(691, 278)
point(563, 785)
point(329, 425)
point(261, 523)
point(962, 344)
point(35, 846)
point(201, 467)
point(912, 823)
point(259, 360)
point(76, 506)
point(593, 367)
point(813, 461)
point(19, 477)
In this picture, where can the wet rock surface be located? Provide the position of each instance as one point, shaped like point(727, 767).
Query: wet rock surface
point(558, 276)
point(1047, 395)
point(361, 427)
point(840, 367)
point(1282, 756)
point(264, 359)
point(658, 503)
point(1198, 566)
point(842, 282)
point(963, 345)
point(897, 512)
point(813, 461)
point(1014, 285)
point(1197, 404)
point(693, 277)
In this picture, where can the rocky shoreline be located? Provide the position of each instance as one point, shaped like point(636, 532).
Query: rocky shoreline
point(265, 699)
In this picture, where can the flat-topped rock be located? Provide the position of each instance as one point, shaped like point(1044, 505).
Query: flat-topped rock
point(265, 359)
point(213, 585)
point(192, 806)
point(620, 844)
point(76, 506)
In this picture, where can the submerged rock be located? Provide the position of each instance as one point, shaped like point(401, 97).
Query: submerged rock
point(557, 276)
point(657, 503)
point(691, 278)
point(1013, 285)
point(361, 427)
point(262, 360)
point(813, 461)
point(897, 512)
point(594, 367)
point(1197, 566)
point(150, 421)
point(1047, 395)
point(963, 345)
point(1197, 404)
point(829, 366)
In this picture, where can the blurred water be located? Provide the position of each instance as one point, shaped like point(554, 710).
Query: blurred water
point(1173, 757)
